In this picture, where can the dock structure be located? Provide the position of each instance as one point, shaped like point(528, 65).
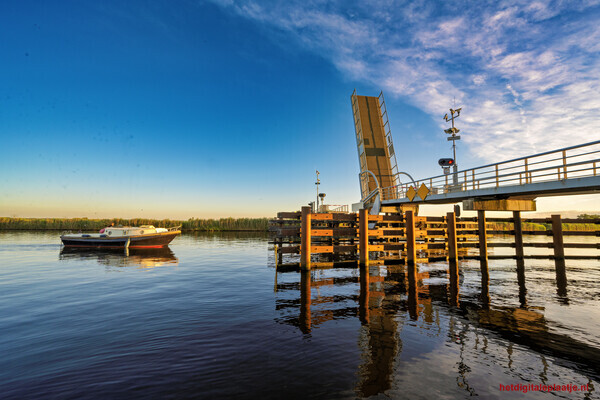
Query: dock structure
point(304, 240)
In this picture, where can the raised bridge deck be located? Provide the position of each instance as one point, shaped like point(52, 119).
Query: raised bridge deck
point(566, 171)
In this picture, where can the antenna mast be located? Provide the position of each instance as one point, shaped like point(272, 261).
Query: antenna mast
point(453, 137)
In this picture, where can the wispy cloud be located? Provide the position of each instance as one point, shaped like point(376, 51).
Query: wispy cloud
point(527, 74)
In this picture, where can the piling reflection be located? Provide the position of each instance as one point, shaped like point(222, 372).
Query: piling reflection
point(119, 258)
point(305, 301)
point(521, 282)
point(561, 281)
point(388, 298)
point(380, 342)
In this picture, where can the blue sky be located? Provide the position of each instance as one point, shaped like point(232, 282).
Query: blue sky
point(226, 108)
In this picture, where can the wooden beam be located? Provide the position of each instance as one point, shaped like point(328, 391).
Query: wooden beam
point(363, 236)
point(451, 235)
point(305, 243)
point(518, 234)
point(411, 250)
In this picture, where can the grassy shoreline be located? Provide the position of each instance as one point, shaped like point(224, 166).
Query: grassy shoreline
point(85, 224)
point(208, 225)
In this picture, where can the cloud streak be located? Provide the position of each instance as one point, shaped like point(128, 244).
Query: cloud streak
point(527, 74)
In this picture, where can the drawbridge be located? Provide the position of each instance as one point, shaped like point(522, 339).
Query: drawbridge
point(510, 185)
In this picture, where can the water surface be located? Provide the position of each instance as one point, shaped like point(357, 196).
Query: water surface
point(208, 317)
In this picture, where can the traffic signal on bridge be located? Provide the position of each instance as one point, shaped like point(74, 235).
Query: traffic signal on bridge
point(446, 162)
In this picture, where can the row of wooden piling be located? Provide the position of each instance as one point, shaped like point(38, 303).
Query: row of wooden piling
point(406, 240)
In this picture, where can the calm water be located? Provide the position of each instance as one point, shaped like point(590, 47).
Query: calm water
point(209, 318)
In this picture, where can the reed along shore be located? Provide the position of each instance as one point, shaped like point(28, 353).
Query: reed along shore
point(85, 224)
point(215, 225)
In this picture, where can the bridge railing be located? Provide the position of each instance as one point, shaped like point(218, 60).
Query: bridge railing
point(567, 163)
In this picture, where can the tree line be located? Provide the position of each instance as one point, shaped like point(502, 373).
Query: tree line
point(85, 224)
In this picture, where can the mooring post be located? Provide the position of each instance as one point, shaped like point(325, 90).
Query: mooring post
point(483, 256)
point(411, 246)
point(363, 236)
point(559, 250)
point(305, 239)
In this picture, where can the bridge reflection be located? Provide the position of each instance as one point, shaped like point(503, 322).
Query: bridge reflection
point(385, 299)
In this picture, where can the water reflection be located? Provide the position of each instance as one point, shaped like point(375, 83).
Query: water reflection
point(386, 299)
point(118, 258)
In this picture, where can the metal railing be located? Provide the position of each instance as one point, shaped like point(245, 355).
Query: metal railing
point(333, 208)
point(557, 165)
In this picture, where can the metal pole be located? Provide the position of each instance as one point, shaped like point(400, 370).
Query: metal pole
point(455, 167)
point(317, 183)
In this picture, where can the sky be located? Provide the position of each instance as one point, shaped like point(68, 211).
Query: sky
point(223, 108)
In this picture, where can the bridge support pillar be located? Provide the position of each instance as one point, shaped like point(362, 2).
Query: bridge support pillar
point(305, 238)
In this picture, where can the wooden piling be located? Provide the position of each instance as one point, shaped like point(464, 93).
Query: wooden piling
point(518, 234)
point(452, 251)
point(411, 246)
point(451, 232)
point(483, 256)
point(559, 250)
point(305, 240)
point(363, 236)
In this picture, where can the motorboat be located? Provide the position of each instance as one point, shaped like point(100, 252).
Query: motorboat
point(145, 236)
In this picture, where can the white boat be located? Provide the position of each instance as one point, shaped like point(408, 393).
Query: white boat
point(145, 236)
